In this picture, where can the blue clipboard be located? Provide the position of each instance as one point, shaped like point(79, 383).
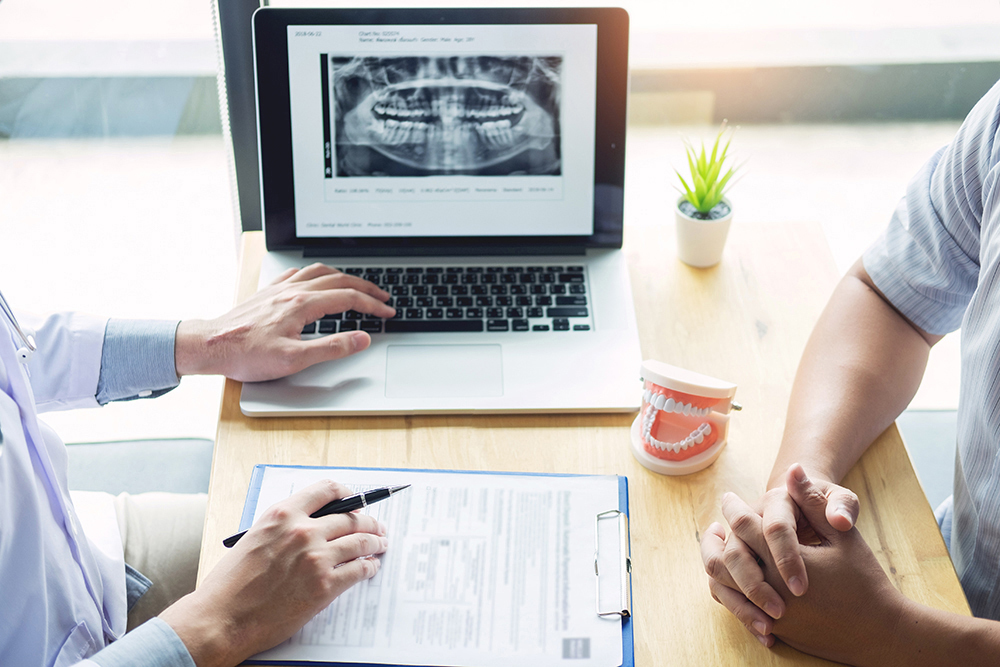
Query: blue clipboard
point(250, 508)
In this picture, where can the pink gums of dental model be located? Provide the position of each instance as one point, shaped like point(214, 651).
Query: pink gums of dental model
point(684, 420)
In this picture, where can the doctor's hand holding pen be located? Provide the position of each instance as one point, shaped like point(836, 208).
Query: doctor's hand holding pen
point(260, 339)
point(286, 569)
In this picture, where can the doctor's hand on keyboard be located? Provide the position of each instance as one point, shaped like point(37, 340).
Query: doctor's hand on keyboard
point(261, 339)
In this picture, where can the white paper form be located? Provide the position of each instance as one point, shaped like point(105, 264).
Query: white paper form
point(482, 570)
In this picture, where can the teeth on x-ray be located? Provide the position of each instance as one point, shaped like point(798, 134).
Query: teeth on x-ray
point(450, 112)
point(448, 115)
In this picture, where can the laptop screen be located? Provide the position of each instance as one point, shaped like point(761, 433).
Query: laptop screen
point(454, 130)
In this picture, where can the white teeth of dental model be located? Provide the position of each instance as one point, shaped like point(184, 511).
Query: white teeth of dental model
point(655, 402)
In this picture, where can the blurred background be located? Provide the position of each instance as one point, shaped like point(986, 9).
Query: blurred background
point(115, 179)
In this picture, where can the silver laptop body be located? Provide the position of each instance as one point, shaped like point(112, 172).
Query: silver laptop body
point(479, 181)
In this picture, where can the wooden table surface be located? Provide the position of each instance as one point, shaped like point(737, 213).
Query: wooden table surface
point(745, 321)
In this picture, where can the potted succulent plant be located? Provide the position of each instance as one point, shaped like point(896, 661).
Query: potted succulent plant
point(703, 211)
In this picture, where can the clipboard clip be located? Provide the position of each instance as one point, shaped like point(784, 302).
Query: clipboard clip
point(624, 609)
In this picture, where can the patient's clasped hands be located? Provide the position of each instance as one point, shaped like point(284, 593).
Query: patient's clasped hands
point(795, 568)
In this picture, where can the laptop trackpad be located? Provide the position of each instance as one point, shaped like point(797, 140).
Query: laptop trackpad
point(443, 371)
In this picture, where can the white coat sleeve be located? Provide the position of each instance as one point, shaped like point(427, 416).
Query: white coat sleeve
point(66, 367)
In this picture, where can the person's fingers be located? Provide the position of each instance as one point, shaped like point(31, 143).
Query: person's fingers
point(347, 281)
point(338, 525)
point(357, 545)
point(746, 571)
point(811, 499)
point(355, 571)
point(284, 275)
point(340, 300)
point(713, 552)
point(316, 495)
point(779, 525)
point(757, 622)
point(842, 508)
point(312, 271)
point(745, 522)
point(334, 346)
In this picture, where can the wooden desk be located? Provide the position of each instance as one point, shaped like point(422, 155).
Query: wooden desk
point(746, 321)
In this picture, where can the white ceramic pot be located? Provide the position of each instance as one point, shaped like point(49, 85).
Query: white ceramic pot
point(700, 242)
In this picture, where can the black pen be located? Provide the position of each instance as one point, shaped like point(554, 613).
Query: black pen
point(339, 506)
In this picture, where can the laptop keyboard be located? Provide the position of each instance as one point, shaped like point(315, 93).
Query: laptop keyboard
point(471, 299)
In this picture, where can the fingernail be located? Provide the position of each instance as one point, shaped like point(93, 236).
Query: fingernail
point(796, 586)
point(800, 475)
point(763, 640)
point(359, 340)
point(772, 610)
point(382, 530)
point(760, 627)
point(385, 543)
point(842, 511)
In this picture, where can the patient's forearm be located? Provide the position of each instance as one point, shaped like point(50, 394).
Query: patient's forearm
point(928, 637)
point(860, 369)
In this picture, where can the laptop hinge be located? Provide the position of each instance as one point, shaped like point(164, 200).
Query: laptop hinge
point(449, 251)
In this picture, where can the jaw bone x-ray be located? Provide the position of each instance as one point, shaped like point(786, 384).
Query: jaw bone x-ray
point(422, 116)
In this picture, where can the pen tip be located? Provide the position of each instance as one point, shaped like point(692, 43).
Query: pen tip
point(397, 489)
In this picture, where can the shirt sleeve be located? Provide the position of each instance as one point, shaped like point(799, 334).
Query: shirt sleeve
point(926, 262)
point(138, 360)
point(152, 644)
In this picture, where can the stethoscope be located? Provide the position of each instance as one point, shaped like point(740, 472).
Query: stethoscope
point(28, 348)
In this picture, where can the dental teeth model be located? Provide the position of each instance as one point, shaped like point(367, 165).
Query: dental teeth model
point(684, 419)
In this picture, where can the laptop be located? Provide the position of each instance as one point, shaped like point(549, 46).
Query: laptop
point(471, 163)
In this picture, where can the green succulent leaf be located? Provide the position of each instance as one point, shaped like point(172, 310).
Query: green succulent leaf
point(699, 185)
point(713, 172)
point(715, 148)
point(687, 191)
point(725, 179)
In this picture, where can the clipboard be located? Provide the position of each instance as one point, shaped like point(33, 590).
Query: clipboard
point(617, 517)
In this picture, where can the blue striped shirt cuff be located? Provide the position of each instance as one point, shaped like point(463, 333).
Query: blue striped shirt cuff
point(138, 360)
point(152, 644)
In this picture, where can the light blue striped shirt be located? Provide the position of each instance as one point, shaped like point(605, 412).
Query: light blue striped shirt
point(939, 264)
point(137, 360)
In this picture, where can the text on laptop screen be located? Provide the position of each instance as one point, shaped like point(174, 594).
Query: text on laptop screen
point(446, 130)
